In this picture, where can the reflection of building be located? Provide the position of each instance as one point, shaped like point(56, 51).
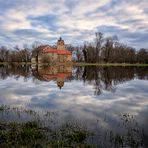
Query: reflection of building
point(48, 54)
point(56, 73)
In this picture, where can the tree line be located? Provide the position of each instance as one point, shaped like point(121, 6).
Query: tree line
point(102, 50)
point(15, 55)
point(110, 50)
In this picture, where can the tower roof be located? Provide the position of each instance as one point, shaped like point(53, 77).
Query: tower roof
point(60, 39)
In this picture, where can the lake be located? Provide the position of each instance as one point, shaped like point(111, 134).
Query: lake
point(104, 100)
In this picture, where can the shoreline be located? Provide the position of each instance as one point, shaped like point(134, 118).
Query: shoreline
point(108, 64)
point(76, 64)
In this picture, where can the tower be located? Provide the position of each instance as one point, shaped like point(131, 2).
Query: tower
point(60, 44)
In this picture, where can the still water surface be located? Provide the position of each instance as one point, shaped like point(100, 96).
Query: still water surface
point(92, 96)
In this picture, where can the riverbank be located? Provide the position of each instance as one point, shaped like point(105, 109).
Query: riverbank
point(108, 64)
point(77, 64)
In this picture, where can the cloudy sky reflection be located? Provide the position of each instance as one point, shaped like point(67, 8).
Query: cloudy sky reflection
point(76, 100)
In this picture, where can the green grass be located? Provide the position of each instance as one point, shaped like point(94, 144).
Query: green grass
point(30, 134)
point(17, 63)
point(19, 135)
point(79, 64)
point(34, 133)
point(108, 64)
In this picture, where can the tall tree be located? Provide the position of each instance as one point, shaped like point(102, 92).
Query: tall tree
point(99, 41)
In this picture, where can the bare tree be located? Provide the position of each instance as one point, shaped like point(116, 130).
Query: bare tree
point(99, 41)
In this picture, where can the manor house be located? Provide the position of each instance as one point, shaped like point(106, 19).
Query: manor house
point(49, 54)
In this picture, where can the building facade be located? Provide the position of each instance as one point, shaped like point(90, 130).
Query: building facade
point(47, 54)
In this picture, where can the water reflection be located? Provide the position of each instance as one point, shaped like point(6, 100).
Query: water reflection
point(106, 78)
point(54, 73)
point(91, 96)
point(101, 78)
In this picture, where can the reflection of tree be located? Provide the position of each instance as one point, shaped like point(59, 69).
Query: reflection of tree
point(15, 70)
point(102, 78)
point(92, 75)
point(78, 73)
point(106, 78)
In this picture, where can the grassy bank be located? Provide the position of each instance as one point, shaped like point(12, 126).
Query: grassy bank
point(108, 64)
point(15, 63)
point(77, 64)
point(37, 133)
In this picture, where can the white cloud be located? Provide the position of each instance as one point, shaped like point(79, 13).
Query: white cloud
point(83, 7)
point(77, 21)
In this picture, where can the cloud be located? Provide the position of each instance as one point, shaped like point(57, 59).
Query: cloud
point(76, 21)
point(130, 97)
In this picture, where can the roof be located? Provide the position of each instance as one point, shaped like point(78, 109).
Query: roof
point(49, 49)
point(41, 47)
point(48, 77)
point(64, 52)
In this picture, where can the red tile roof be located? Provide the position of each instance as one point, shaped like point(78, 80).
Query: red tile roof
point(61, 75)
point(64, 52)
point(48, 77)
point(48, 49)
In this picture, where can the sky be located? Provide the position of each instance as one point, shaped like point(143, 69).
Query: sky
point(76, 21)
